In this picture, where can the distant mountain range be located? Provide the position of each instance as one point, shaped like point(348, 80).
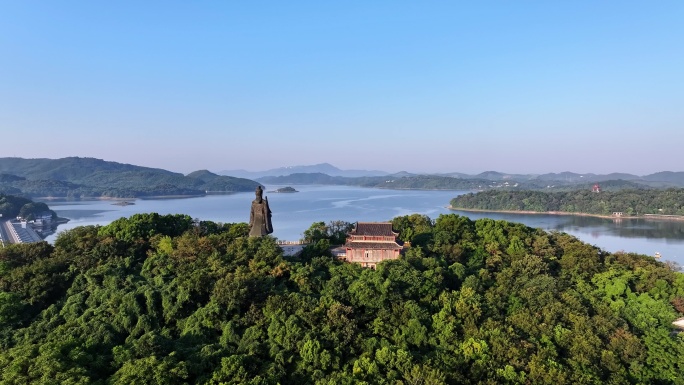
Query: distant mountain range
point(487, 180)
point(76, 177)
point(676, 178)
point(325, 173)
point(322, 168)
point(660, 179)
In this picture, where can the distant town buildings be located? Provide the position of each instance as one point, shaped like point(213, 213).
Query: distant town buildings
point(20, 230)
point(291, 248)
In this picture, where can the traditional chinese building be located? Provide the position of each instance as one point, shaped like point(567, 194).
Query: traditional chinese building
point(370, 243)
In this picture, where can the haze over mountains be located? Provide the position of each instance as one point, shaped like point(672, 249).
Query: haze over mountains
point(329, 169)
point(325, 173)
point(76, 177)
point(664, 176)
point(323, 168)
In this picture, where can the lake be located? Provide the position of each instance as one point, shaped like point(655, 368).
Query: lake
point(295, 212)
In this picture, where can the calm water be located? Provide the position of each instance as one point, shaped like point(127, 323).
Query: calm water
point(294, 213)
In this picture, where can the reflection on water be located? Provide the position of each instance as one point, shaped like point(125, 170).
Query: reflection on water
point(628, 228)
point(76, 215)
point(294, 213)
point(643, 236)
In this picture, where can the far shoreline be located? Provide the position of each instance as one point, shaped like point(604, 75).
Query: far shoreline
point(103, 198)
point(656, 217)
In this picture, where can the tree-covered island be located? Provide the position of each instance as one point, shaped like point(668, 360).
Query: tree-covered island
point(628, 203)
point(287, 189)
point(156, 299)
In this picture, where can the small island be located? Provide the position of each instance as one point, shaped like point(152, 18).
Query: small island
point(123, 203)
point(287, 189)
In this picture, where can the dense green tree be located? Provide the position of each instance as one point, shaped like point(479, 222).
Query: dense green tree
point(165, 299)
point(335, 232)
point(414, 228)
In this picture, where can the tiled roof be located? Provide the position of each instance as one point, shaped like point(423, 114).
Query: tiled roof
point(373, 245)
point(374, 229)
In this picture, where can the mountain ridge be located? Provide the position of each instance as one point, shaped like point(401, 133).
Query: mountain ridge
point(323, 168)
point(658, 179)
point(482, 181)
point(76, 177)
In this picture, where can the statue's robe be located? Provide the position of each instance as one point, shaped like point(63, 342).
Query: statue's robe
point(260, 219)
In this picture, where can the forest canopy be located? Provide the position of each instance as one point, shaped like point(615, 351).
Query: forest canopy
point(163, 299)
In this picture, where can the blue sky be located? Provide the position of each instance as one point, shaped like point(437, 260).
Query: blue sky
point(438, 86)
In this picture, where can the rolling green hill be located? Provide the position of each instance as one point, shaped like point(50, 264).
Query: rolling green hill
point(13, 206)
point(155, 299)
point(437, 182)
point(420, 182)
point(88, 177)
point(489, 180)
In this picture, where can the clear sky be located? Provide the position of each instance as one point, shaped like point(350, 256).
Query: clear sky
point(437, 86)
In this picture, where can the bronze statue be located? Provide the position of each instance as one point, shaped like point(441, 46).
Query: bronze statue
point(260, 216)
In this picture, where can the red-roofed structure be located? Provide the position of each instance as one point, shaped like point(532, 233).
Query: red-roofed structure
point(370, 243)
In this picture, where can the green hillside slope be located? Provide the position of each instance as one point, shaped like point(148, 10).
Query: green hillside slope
point(156, 299)
point(88, 177)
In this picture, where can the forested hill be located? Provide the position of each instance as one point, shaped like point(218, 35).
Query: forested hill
point(485, 181)
point(419, 182)
point(160, 300)
point(89, 177)
point(630, 202)
point(12, 206)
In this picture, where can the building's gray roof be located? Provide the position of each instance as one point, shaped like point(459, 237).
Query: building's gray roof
point(374, 229)
point(373, 245)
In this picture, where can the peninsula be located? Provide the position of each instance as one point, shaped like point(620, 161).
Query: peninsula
point(652, 204)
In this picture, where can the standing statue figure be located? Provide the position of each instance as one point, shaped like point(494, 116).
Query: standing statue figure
point(260, 216)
